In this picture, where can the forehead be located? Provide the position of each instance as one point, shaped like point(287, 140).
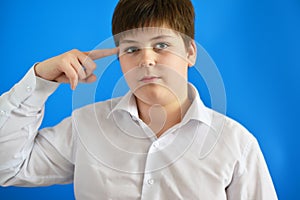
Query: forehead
point(148, 33)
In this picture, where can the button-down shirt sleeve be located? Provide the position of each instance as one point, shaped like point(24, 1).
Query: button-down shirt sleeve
point(251, 178)
point(28, 156)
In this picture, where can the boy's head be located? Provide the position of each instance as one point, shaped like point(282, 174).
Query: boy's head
point(156, 47)
point(177, 15)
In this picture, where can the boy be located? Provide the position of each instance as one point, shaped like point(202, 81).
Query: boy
point(157, 142)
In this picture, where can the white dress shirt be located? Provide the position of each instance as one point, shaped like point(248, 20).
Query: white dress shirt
point(110, 153)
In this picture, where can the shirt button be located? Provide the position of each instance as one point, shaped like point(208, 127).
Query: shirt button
point(156, 144)
point(28, 88)
point(2, 112)
point(17, 156)
point(150, 181)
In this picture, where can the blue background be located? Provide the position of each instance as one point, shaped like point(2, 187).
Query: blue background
point(255, 45)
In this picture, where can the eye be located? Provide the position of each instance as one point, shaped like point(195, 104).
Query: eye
point(131, 50)
point(161, 46)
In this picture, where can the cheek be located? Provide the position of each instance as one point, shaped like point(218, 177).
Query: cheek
point(129, 70)
point(126, 64)
point(175, 62)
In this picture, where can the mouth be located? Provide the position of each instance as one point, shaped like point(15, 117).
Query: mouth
point(149, 79)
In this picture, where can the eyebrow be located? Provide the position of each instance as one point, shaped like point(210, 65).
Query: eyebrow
point(152, 39)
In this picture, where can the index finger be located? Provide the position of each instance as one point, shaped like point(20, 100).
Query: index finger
point(100, 53)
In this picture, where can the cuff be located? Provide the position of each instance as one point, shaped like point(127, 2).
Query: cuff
point(31, 90)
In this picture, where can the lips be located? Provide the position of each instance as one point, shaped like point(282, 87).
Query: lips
point(149, 79)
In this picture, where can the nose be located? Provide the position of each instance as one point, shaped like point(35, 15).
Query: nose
point(147, 58)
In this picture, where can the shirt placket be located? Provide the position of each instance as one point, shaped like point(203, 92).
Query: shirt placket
point(151, 179)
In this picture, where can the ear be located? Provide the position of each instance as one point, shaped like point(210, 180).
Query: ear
point(192, 53)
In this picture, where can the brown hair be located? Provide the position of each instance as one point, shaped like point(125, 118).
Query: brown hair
point(175, 14)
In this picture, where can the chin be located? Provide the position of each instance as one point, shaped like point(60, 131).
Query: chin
point(154, 94)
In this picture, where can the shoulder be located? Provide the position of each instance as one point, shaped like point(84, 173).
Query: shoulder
point(100, 109)
point(231, 135)
point(230, 127)
point(238, 133)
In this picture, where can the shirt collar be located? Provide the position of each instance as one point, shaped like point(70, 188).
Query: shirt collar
point(197, 110)
point(127, 104)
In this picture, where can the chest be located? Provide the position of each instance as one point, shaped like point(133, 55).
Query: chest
point(151, 175)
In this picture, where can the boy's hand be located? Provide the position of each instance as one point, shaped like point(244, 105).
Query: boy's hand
point(72, 67)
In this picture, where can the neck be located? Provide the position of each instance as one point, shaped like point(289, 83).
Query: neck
point(162, 117)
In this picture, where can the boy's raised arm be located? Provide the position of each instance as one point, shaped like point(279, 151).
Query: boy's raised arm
point(21, 114)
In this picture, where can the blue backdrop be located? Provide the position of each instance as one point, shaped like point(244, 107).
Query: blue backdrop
point(255, 45)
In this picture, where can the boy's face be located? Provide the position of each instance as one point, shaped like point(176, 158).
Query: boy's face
point(154, 62)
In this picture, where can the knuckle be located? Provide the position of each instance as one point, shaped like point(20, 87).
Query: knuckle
point(75, 51)
point(64, 63)
point(69, 55)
